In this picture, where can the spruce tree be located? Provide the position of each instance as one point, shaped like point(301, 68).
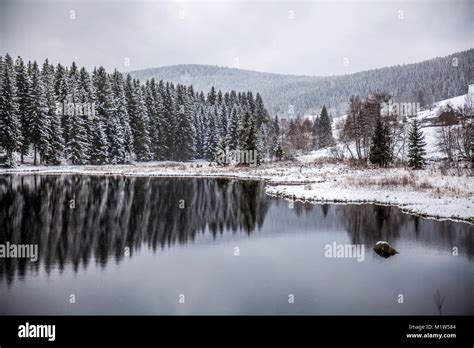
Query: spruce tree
point(247, 138)
point(59, 89)
point(416, 146)
point(72, 118)
point(129, 94)
point(212, 138)
point(87, 98)
point(251, 104)
point(211, 96)
point(220, 99)
point(63, 97)
point(184, 142)
point(261, 113)
point(121, 114)
point(78, 146)
point(107, 112)
point(97, 137)
point(76, 137)
point(326, 138)
point(152, 103)
point(233, 128)
point(222, 152)
point(37, 109)
point(222, 120)
point(233, 99)
point(140, 124)
point(99, 146)
point(227, 101)
point(379, 150)
point(22, 84)
point(192, 102)
point(199, 123)
point(54, 131)
point(159, 123)
point(279, 153)
point(169, 123)
point(10, 139)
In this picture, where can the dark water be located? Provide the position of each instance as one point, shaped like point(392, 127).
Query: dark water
point(181, 235)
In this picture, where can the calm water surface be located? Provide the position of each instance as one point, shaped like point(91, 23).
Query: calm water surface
point(181, 235)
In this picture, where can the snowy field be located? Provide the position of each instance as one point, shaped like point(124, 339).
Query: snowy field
point(427, 192)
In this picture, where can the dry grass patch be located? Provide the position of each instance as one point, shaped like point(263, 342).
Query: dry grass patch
point(390, 181)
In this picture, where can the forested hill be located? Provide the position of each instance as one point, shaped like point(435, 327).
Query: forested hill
point(424, 82)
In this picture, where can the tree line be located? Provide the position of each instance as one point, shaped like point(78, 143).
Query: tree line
point(60, 113)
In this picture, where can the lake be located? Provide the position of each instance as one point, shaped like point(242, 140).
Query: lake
point(138, 245)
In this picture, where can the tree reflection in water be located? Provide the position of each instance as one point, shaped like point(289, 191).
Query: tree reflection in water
point(75, 219)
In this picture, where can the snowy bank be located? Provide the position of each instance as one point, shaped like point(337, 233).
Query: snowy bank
point(424, 204)
point(427, 193)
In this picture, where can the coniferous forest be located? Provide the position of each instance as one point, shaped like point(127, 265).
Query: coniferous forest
point(425, 82)
point(66, 114)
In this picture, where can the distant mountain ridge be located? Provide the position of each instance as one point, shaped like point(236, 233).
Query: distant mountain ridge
point(425, 82)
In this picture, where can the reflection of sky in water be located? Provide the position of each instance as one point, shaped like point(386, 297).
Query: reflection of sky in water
point(285, 255)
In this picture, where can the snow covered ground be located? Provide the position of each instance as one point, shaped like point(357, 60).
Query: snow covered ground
point(440, 105)
point(422, 193)
point(427, 192)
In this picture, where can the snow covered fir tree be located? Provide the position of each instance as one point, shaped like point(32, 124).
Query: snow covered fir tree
point(416, 146)
point(68, 115)
point(10, 139)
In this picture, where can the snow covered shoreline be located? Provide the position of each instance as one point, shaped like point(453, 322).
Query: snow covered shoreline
point(426, 193)
point(442, 208)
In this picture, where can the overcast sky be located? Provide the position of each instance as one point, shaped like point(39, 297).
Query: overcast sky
point(303, 38)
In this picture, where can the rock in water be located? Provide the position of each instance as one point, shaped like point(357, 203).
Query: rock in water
point(384, 249)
